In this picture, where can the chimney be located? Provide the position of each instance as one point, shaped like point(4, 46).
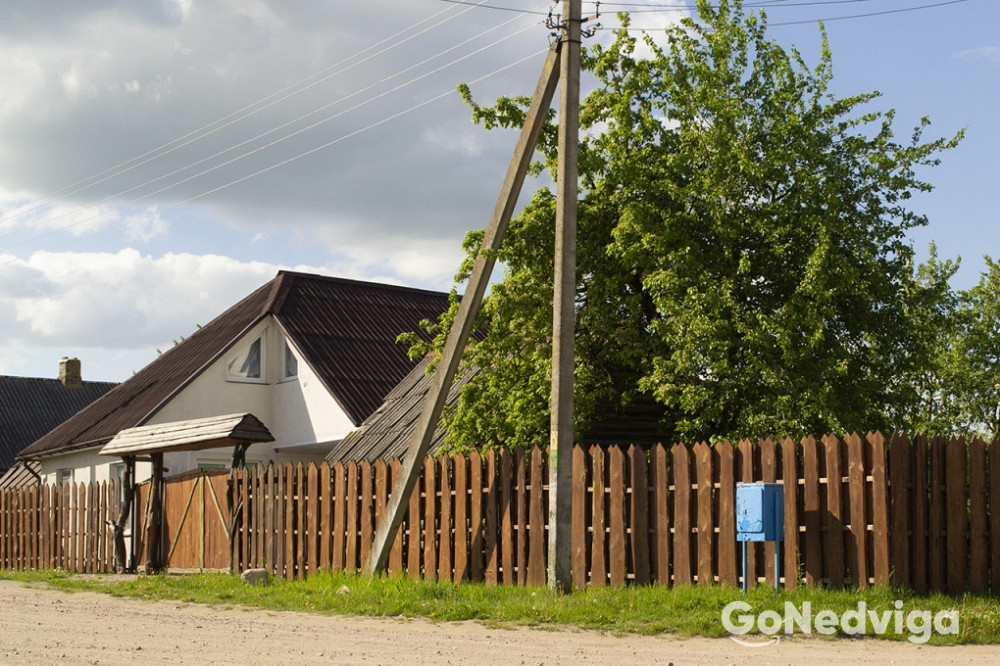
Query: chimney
point(69, 373)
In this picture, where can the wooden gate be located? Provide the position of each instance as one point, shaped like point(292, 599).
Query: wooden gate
point(194, 534)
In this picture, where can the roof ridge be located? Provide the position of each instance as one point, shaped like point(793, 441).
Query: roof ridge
point(360, 283)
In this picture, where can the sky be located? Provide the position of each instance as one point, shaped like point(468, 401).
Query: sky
point(160, 160)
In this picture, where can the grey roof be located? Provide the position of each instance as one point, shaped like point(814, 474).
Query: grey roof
point(31, 407)
point(346, 330)
point(191, 435)
point(386, 433)
point(24, 474)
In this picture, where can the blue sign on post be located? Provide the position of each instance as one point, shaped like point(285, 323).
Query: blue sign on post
point(760, 516)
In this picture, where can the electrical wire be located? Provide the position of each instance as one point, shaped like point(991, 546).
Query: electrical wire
point(399, 114)
point(287, 124)
point(234, 117)
point(286, 137)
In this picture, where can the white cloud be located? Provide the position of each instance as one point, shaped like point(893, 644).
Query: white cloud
point(990, 54)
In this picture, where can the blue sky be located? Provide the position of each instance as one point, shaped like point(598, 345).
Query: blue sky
point(160, 160)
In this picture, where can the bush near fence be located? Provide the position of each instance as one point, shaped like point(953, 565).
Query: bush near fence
point(858, 511)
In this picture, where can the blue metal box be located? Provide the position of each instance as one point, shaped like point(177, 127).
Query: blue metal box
point(760, 512)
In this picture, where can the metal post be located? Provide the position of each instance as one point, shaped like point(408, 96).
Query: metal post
point(564, 310)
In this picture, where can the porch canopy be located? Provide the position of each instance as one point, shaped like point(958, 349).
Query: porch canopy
point(192, 435)
point(236, 430)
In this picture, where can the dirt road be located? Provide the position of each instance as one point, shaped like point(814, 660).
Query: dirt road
point(43, 626)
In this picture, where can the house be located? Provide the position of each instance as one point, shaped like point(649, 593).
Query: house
point(310, 357)
point(31, 406)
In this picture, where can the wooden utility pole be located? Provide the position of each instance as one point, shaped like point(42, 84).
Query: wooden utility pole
point(465, 319)
point(564, 310)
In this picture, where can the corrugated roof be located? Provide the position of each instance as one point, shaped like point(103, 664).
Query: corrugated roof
point(346, 330)
point(22, 475)
point(191, 435)
point(386, 434)
point(30, 407)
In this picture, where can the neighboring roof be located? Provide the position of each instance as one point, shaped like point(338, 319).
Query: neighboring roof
point(386, 434)
point(191, 435)
point(345, 329)
point(30, 407)
point(25, 474)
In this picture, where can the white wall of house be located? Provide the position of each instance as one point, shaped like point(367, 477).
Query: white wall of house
point(284, 393)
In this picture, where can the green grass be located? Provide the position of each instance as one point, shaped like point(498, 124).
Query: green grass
point(682, 611)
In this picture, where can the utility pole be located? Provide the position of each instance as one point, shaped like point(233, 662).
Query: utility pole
point(564, 310)
point(465, 318)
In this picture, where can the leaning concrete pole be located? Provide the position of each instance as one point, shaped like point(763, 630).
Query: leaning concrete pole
point(465, 319)
point(564, 310)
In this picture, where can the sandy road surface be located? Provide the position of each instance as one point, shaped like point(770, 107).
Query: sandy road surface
point(43, 626)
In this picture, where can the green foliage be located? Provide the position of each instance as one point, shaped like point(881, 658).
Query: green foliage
point(741, 255)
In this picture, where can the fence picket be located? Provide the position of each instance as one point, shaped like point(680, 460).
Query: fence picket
point(536, 520)
point(724, 459)
point(661, 513)
point(956, 522)
point(900, 458)
point(396, 552)
point(616, 516)
point(476, 542)
point(640, 518)
point(745, 462)
point(460, 466)
point(430, 519)
point(978, 518)
point(812, 538)
point(444, 521)
point(859, 531)
point(706, 528)
point(578, 530)
point(367, 511)
point(937, 553)
point(921, 514)
point(994, 455)
point(598, 565)
point(834, 546)
point(790, 481)
point(682, 515)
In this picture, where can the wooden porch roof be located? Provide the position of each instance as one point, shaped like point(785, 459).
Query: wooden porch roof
point(192, 435)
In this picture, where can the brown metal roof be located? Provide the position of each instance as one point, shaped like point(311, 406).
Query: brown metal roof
point(345, 329)
point(30, 407)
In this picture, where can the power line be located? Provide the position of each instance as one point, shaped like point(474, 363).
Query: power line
point(230, 119)
point(804, 21)
point(286, 124)
point(292, 134)
point(483, 5)
point(299, 156)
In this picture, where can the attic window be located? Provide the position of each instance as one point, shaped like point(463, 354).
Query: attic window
point(291, 364)
point(247, 365)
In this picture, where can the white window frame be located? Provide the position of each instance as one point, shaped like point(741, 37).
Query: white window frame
point(240, 358)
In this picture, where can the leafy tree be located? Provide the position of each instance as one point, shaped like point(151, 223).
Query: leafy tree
point(741, 255)
point(971, 382)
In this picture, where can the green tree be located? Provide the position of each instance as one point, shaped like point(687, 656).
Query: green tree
point(741, 256)
point(971, 382)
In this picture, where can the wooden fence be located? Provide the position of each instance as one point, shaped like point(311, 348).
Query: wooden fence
point(858, 511)
point(59, 527)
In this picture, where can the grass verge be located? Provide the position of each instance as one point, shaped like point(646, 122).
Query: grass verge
point(681, 611)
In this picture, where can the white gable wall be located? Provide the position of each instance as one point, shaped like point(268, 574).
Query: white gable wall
point(298, 412)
